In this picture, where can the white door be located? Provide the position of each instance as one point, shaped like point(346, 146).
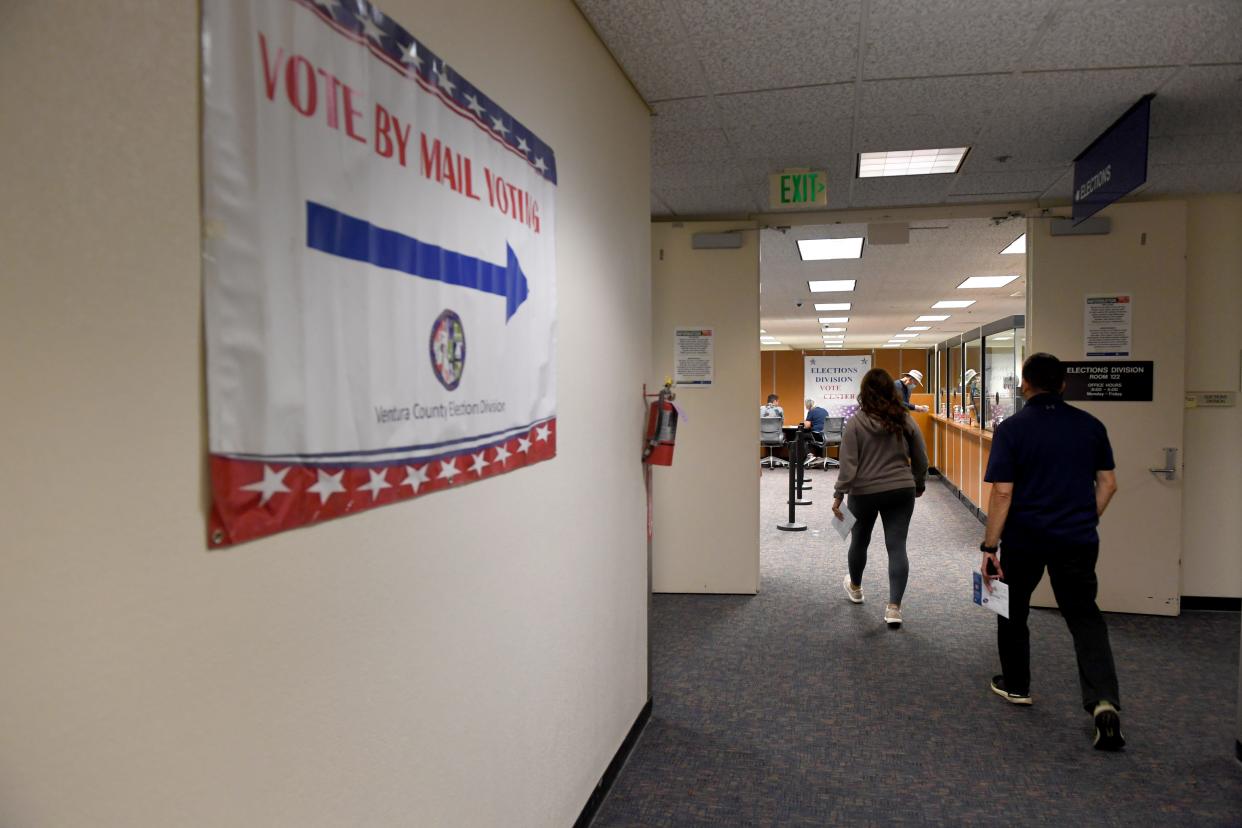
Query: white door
point(1144, 256)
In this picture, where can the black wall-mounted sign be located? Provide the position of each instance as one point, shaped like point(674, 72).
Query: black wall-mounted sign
point(1114, 164)
point(1109, 381)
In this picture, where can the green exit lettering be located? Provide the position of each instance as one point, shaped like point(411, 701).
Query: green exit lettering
point(801, 188)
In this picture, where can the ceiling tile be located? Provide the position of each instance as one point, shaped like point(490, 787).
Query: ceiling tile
point(921, 114)
point(691, 146)
point(683, 115)
point(745, 45)
point(1199, 99)
point(1114, 33)
point(647, 39)
point(1050, 117)
point(708, 199)
point(1221, 148)
point(1182, 179)
point(1003, 183)
point(813, 107)
point(1059, 191)
point(1226, 47)
point(902, 191)
point(948, 37)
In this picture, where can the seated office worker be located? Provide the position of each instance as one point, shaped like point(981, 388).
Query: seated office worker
point(1051, 471)
point(815, 418)
point(905, 385)
point(773, 408)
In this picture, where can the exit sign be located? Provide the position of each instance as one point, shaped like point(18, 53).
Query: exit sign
point(798, 189)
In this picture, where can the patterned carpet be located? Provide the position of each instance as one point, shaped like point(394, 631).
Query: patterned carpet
point(796, 707)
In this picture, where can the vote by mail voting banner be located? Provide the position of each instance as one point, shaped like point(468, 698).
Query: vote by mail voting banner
point(834, 382)
point(378, 266)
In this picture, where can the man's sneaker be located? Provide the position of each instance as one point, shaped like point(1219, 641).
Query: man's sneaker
point(852, 592)
point(1107, 728)
point(892, 616)
point(998, 687)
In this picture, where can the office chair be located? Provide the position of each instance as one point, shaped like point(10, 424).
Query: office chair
point(771, 436)
point(833, 428)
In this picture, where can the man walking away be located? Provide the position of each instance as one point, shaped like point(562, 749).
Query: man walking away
point(1051, 471)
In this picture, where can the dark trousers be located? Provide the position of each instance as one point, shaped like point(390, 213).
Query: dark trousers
point(895, 508)
point(1071, 569)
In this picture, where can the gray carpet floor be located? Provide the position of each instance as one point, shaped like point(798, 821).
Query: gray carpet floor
point(796, 707)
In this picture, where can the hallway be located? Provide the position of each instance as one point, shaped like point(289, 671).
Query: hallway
point(796, 707)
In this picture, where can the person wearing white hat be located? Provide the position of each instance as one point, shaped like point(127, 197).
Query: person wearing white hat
point(911, 378)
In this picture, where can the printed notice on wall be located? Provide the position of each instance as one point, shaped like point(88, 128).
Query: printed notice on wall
point(1107, 326)
point(693, 356)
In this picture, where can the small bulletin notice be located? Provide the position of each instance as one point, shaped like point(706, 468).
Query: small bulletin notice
point(693, 356)
point(1107, 326)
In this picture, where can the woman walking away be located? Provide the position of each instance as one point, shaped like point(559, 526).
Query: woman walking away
point(883, 467)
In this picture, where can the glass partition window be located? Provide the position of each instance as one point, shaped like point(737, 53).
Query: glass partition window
point(1002, 382)
point(972, 382)
point(954, 382)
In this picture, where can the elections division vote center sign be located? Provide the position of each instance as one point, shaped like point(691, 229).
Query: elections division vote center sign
point(378, 266)
point(834, 382)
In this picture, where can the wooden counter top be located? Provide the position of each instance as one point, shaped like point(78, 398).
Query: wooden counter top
point(968, 429)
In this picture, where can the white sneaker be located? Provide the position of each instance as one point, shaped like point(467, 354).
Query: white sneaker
point(892, 616)
point(853, 594)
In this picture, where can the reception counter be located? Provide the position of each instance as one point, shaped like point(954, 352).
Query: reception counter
point(960, 453)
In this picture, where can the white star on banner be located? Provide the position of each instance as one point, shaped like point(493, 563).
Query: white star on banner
point(498, 125)
point(448, 469)
point(541, 433)
point(373, 30)
point(472, 103)
point(540, 165)
point(412, 57)
point(443, 81)
point(477, 463)
point(378, 481)
point(327, 485)
point(502, 454)
point(329, 6)
point(415, 477)
point(273, 482)
point(523, 146)
point(523, 445)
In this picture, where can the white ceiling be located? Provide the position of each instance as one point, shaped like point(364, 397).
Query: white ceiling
point(744, 88)
point(894, 283)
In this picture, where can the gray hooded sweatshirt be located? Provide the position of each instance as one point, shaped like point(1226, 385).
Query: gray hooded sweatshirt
point(876, 460)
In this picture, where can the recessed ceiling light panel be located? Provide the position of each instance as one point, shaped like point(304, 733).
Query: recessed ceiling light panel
point(987, 281)
point(932, 318)
point(919, 328)
point(831, 306)
point(833, 320)
point(1018, 245)
point(831, 286)
point(954, 303)
point(911, 162)
point(818, 250)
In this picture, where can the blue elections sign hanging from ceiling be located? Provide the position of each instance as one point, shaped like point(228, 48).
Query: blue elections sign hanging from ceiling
point(1114, 164)
point(378, 265)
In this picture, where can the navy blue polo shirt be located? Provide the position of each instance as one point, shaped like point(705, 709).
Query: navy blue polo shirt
point(1050, 452)
point(817, 416)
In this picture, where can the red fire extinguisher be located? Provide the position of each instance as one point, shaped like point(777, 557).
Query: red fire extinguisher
point(661, 428)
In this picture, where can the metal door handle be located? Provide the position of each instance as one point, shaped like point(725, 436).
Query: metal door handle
point(1170, 465)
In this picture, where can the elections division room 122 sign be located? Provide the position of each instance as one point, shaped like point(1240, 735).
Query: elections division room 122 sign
point(378, 264)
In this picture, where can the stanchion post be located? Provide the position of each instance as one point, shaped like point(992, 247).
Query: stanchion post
point(795, 466)
point(802, 438)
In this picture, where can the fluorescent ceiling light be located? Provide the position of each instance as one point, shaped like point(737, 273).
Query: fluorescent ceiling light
point(904, 336)
point(891, 345)
point(919, 328)
point(911, 162)
point(834, 339)
point(1018, 245)
point(932, 318)
point(831, 286)
point(1000, 338)
point(834, 330)
point(761, 330)
point(954, 303)
point(987, 281)
point(831, 306)
point(832, 320)
point(817, 250)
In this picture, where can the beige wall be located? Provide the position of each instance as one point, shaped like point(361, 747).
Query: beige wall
point(471, 658)
point(1144, 255)
point(707, 502)
point(1212, 519)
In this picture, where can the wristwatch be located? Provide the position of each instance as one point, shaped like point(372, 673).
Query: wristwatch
point(991, 550)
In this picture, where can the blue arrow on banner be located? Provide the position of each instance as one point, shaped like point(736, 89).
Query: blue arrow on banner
point(334, 232)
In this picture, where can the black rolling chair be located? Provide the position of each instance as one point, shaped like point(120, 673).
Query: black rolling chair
point(772, 437)
point(833, 428)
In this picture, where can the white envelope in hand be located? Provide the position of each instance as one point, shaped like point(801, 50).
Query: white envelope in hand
point(843, 527)
point(997, 600)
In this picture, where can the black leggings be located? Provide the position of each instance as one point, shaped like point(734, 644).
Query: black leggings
point(895, 508)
